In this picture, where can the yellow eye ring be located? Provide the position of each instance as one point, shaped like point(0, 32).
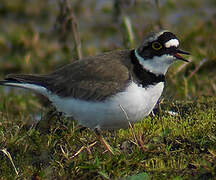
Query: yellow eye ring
point(156, 45)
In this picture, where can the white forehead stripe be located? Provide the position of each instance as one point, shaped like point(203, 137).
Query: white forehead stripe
point(172, 42)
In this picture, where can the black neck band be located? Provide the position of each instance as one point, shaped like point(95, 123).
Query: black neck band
point(143, 76)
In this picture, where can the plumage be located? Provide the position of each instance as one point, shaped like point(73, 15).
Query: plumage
point(95, 89)
point(87, 79)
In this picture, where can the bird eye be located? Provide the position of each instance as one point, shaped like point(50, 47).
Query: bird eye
point(156, 45)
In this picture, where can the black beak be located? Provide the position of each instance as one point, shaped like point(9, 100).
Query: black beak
point(178, 56)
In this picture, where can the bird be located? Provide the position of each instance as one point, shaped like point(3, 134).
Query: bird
point(112, 89)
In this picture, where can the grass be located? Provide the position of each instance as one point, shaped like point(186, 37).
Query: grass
point(180, 146)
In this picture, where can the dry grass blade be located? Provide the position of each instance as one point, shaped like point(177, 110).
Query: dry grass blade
point(78, 152)
point(197, 68)
point(64, 153)
point(76, 36)
point(84, 147)
point(159, 14)
point(10, 158)
point(128, 26)
point(137, 139)
point(104, 142)
point(68, 22)
point(130, 125)
point(179, 69)
point(213, 153)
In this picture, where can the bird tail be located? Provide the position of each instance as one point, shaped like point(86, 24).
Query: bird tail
point(32, 82)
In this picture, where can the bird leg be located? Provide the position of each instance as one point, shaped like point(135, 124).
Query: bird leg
point(103, 141)
point(48, 120)
point(138, 139)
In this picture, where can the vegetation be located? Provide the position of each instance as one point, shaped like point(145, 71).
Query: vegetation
point(178, 142)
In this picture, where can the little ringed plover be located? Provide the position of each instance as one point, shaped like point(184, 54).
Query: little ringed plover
point(94, 90)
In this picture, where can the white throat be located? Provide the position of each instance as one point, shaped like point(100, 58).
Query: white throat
point(157, 65)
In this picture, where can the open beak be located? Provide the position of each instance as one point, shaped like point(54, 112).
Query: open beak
point(178, 53)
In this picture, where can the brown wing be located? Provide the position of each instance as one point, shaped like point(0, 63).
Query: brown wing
point(94, 78)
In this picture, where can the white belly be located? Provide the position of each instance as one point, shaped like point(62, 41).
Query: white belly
point(136, 101)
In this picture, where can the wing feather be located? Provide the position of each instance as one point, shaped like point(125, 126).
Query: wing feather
point(95, 78)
